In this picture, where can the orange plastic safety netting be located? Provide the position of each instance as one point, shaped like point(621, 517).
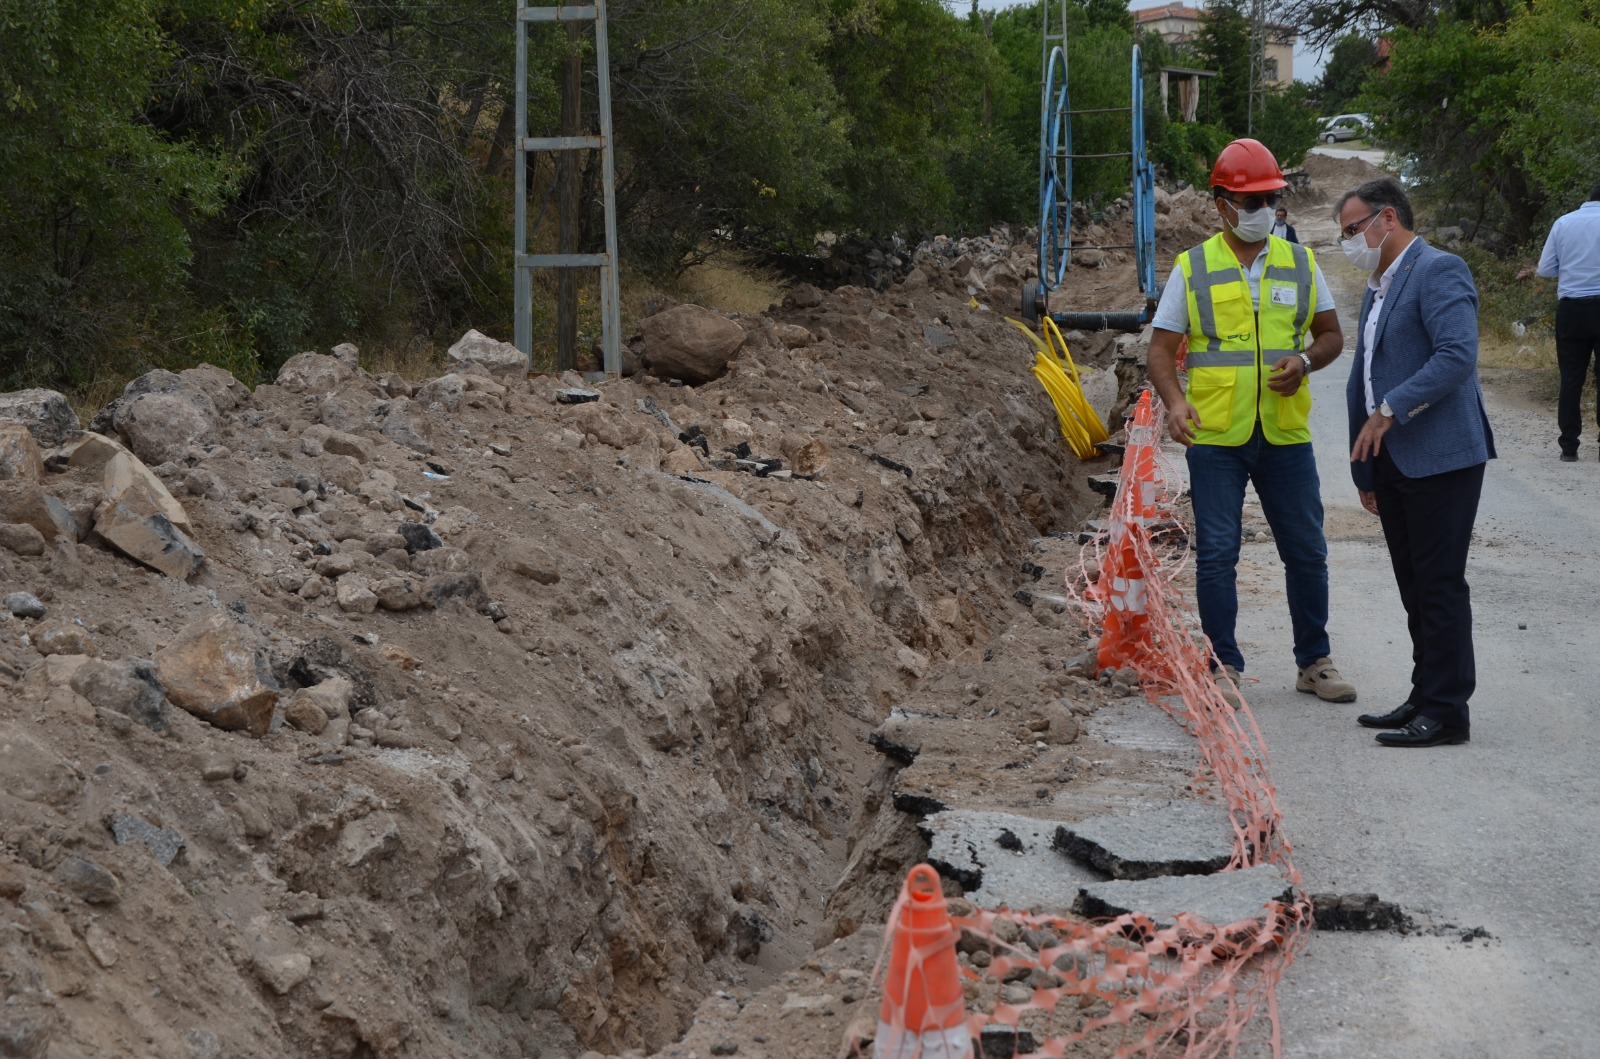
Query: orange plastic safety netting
point(1055, 985)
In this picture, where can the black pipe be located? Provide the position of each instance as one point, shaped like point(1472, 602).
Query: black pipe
point(1132, 322)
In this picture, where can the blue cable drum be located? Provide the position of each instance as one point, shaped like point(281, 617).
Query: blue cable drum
point(1144, 190)
point(1055, 176)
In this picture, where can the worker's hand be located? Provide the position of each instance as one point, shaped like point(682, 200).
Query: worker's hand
point(1526, 271)
point(1369, 500)
point(1287, 374)
point(1370, 440)
point(1182, 422)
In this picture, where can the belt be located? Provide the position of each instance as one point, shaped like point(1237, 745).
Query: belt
point(1585, 298)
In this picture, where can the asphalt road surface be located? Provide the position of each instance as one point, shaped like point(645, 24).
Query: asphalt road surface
point(1501, 834)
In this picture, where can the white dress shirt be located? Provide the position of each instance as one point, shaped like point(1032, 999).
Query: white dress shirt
point(1572, 253)
point(1379, 285)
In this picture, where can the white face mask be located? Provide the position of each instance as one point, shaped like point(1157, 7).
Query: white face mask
point(1253, 225)
point(1360, 254)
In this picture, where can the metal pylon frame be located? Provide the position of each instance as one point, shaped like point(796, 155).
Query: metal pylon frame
point(1056, 156)
point(606, 262)
point(1256, 101)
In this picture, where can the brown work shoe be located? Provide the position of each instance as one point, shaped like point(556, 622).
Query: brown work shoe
point(1230, 682)
point(1321, 679)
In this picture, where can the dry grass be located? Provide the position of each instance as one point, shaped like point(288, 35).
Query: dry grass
point(417, 359)
point(1527, 366)
point(88, 401)
point(730, 284)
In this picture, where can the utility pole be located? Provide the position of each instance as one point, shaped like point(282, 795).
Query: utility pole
point(571, 204)
point(1256, 105)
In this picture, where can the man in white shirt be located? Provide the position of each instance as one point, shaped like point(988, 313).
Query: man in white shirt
point(1572, 257)
point(1282, 228)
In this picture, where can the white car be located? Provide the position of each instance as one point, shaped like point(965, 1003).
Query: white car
point(1344, 127)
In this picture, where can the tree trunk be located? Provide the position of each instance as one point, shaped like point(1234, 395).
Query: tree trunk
point(500, 147)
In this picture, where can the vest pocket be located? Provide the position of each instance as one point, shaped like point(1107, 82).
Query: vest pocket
point(1211, 393)
point(1294, 413)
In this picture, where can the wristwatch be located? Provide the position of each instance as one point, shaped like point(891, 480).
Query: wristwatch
point(1307, 358)
point(1385, 411)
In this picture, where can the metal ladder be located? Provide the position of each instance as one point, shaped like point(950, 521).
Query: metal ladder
point(610, 318)
point(1055, 186)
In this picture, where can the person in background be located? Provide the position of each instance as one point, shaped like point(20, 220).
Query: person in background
point(1419, 442)
point(1282, 228)
point(1572, 258)
point(1260, 319)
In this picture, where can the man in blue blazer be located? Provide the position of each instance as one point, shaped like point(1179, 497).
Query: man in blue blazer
point(1419, 441)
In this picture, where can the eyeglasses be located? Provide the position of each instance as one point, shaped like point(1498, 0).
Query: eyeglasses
point(1350, 231)
point(1253, 202)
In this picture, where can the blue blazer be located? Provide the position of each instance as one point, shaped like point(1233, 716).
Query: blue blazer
point(1426, 368)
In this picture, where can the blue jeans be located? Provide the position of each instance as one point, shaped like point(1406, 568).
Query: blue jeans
point(1285, 477)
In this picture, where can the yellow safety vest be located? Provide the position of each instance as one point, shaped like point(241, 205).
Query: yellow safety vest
point(1232, 345)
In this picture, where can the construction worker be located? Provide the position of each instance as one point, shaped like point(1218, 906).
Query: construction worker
point(1259, 318)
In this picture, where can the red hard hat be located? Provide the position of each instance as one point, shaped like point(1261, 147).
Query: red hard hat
point(1246, 166)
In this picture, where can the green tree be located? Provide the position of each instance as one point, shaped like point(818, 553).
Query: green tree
point(1223, 45)
point(1556, 46)
point(92, 222)
point(1449, 101)
point(911, 76)
point(1350, 64)
point(726, 121)
point(1288, 123)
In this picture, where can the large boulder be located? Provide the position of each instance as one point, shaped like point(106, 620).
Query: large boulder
point(226, 392)
point(126, 686)
point(405, 423)
point(159, 381)
point(691, 344)
point(19, 453)
point(502, 360)
point(126, 479)
point(46, 414)
point(149, 538)
point(315, 373)
point(25, 503)
point(160, 426)
point(217, 669)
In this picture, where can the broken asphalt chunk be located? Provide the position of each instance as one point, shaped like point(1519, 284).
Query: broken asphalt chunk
point(1104, 484)
point(1003, 859)
point(1358, 912)
point(574, 395)
point(1222, 899)
point(1189, 838)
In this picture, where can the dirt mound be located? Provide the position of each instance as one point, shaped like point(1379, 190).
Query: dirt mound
point(1332, 177)
point(570, 685)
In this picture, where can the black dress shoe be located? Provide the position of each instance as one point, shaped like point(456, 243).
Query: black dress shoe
point(1425, 731)
point(1398, 717)
point(1569, 457)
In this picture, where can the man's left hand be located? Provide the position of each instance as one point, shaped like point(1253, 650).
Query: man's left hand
point(1287, 374)
point(1370, 441)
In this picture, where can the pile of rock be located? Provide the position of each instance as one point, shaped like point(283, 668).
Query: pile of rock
point(991, 268)
point(60, 485)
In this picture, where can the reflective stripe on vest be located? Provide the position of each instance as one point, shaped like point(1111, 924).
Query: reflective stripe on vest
point(1233, 344)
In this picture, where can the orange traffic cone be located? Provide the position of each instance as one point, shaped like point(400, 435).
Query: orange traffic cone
point(1125, 632)
point(924, 1014)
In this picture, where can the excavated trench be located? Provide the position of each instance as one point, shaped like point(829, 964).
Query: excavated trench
point(621, 758)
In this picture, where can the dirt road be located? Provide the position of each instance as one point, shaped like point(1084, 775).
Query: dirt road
point(1501, 834)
